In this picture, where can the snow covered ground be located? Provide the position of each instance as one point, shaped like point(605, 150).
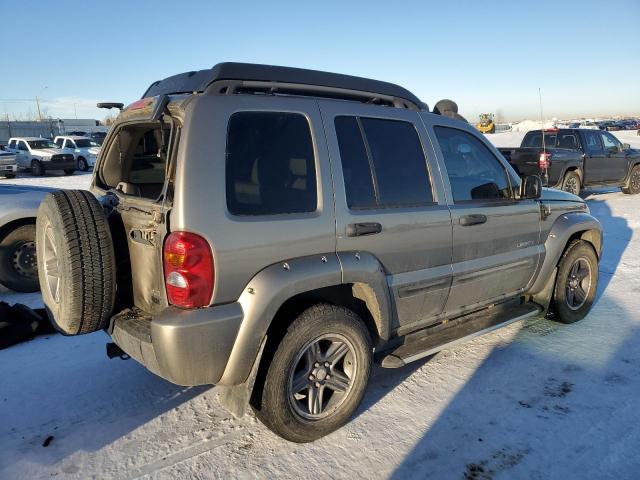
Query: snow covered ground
point(532, 400)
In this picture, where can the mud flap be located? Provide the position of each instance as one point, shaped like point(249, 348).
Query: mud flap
point(235, 398)
point(544, 296)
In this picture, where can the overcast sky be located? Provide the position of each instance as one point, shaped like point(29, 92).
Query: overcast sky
point(489, 56)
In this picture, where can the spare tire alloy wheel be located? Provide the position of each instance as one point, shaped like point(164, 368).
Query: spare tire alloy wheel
point(76, 262)
point(18, 265)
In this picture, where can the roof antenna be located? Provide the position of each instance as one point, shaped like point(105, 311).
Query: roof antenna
point(544, 145)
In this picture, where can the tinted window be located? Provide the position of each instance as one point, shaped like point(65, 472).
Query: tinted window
point(22, 146)
point(567, 140)
point(534, 139)
point(12, 144)
point(59, 142)
point(356, 169)
point(592, 141)
point(474, 172)
point(270, 166)
point(83, 143)
point(384, 168)
point(610, 142)
point(70, 144)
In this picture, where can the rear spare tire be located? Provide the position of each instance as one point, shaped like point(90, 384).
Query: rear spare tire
point(76, 263)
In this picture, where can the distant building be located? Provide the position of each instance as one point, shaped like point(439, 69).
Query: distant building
point(48, 128)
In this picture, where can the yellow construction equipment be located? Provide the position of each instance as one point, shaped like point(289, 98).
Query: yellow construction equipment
point(486, 125)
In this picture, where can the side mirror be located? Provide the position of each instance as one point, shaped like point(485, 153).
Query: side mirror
point(530, 187)
point(626, 146)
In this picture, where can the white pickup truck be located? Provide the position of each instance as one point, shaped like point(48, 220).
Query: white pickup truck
point(84, 149)
point(40, 155)
point(8, 165)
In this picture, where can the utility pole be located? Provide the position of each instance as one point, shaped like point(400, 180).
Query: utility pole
point(38, 106)
point(75, 110)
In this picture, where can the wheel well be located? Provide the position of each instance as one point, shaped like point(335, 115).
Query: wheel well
point(9, 227)
point(590, 236)
point(342, 295)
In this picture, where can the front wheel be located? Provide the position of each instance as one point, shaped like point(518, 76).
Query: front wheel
point(18, 265)
point(571, 183)
point(576, 283)
point(633, 187)
point(318, 375)
point(82, 164)
point(36, 168)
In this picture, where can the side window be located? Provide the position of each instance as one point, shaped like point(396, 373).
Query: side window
point(70, 144)
point(534, 139)
point(22, 146)
point(610, 142)
point(383, 163)
point(592, 140)
point(12, 144)
point(567, 140)
point(59, 142)
point(270, 164)
point(474, 172)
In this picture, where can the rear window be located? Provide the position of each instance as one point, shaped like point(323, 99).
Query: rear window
point(136, 160)
point(383, 163)
point(270, 164)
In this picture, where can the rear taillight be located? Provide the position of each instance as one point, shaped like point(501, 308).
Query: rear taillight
point(545, 160)
point(188, 270)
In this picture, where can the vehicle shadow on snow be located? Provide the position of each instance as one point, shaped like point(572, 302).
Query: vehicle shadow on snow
point(579, 379)
point(86, 401)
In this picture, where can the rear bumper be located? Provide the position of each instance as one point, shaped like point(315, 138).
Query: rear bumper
point(186, 347)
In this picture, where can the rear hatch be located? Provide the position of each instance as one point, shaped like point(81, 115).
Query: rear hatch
point(133, 179)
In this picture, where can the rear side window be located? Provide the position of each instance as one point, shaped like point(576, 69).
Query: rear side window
point(383, 163)
point(474, 172)
point(567, 140)
point(534, 139)
point(270, 165)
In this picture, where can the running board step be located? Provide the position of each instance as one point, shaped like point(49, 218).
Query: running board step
point(431, 340)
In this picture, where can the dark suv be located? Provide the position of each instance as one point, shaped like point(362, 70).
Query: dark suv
point(274, 230)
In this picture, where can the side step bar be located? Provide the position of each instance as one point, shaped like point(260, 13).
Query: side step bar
point(431, 340)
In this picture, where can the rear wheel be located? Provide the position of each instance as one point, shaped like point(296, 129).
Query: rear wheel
point(18, 266)
point(76, 263)
point(576, 283)
point(634, 182)
point(571, 183)
point(318, 375)
point(36, 168)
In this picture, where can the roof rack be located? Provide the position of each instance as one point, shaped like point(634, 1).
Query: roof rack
point(229, 78)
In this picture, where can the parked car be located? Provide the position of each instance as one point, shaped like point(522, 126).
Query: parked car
point(40, 155)
point(18, 210)
point(83, 149)
point(589, 125)
point(576, 158)
point(97, 137)
point(308, 223)
point(8, 165)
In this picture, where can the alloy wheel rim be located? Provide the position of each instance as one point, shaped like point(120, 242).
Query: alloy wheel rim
point(578, 284)
point(322, 376)
point(571, 186)
point(635, 181)
point(24, 260)
point(51, 264)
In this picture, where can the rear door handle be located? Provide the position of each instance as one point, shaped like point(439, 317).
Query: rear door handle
point(360, 229)
point(475, 219)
